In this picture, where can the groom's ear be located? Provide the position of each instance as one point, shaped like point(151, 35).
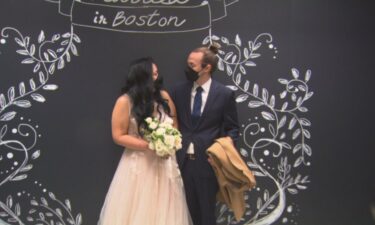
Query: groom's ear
point(207, 68)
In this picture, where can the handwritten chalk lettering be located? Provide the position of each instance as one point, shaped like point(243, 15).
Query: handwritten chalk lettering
point(149, 2)
point(150, 20)
point(146, 19)
point(99, 20)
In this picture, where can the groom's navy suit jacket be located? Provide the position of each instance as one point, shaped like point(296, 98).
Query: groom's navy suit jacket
point(218, 119)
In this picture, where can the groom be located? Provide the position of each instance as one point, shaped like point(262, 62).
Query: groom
point(206, 110)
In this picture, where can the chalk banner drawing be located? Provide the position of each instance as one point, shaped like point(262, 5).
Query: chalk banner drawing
point(157, 16)
point(274, 137)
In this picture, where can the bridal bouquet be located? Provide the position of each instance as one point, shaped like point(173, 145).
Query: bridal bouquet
point(163, 138)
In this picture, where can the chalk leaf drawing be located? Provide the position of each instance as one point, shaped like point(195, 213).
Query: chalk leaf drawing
point(279, 127)
point(19, 144)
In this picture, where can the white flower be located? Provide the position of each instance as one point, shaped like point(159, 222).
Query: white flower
point(160, 131)
point(178, 142)
point(148, 120)
point(159, 146)
point(168, 120)
point(162, 136)
point(169, 140)
point(153, 125)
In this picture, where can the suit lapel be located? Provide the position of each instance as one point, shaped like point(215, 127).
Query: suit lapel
point(187, 103)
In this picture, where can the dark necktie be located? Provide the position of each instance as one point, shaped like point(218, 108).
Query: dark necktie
point(197, 105)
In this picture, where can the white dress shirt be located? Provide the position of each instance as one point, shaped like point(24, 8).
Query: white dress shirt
point(206, 89)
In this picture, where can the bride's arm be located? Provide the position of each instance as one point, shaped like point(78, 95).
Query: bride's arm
point(172, 107)
point(120, 125)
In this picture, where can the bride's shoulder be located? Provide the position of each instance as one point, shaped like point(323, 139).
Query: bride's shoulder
point(164, 94)
point(123, 99)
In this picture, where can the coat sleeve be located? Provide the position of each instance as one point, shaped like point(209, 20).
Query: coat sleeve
point(230, 123)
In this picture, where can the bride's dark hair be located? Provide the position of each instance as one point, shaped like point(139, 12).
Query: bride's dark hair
point(143, 91)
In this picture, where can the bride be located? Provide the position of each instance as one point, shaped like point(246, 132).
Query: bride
point(146, 189)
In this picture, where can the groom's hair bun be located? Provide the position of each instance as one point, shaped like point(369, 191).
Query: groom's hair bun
point(214, 47)
point(209, 55)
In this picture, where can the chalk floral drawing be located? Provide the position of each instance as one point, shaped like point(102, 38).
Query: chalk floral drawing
point(46, 56)
point(280, 128)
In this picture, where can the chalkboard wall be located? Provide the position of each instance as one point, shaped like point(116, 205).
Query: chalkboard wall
point(302, 72)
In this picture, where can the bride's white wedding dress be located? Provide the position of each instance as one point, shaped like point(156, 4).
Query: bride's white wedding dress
point(145, 190)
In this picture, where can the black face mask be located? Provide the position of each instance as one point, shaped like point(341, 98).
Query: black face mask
point(191, 74)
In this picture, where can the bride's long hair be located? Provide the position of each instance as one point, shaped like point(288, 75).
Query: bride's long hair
point(143, 91)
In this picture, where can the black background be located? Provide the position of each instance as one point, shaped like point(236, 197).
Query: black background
point(335, 39)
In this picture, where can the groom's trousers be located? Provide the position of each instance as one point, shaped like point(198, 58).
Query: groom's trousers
point(200, 193)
